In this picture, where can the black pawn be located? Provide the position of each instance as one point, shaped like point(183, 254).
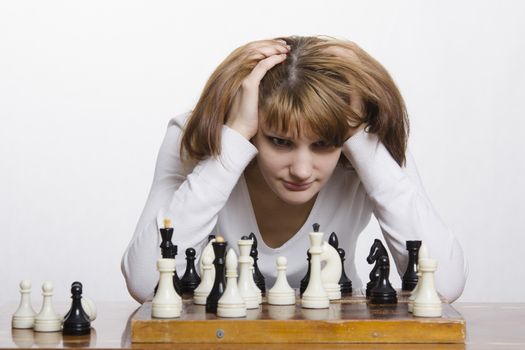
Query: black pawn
point(409, 280)
point(257, 275)
point(190, 280)
point(376, 251)
point(344, 281)
point(219, 248)
point(306, 278)
point(73, 284)
point(76, 321)
point(383, 293)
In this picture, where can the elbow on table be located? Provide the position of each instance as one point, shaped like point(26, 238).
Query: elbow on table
point(134, 284)
point(453, 283)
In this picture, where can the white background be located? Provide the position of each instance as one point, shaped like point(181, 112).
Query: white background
point(87, 89)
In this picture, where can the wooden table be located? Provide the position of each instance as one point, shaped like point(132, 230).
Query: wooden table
point(489, 326)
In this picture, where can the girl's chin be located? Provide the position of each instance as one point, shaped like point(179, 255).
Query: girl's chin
point(296, 198)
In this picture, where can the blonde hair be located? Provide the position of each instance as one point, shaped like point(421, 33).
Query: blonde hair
point(312, 90)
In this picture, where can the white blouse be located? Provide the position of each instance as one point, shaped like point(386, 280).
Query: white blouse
point(211, 197)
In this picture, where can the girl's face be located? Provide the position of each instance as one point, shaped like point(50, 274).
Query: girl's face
point(294, 167)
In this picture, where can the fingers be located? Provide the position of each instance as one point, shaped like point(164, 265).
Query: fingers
point(267, 51)
point(261, 43)
point(266, 48)
point(256, 75)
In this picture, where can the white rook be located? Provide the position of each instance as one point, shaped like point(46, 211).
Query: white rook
point(166, 303)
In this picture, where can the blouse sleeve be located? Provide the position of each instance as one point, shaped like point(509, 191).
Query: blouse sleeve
point(405, 212)
point(191, 194)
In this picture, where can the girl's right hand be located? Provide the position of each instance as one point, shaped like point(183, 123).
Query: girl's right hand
point(243, 115)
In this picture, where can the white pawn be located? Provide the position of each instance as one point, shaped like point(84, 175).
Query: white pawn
point(245, 275)
point(47, 319)
point(166, 302)
point(24, 316)
point(422, 254)
point(201, 292)
point(281, 293)
point(427, 303)
point(256, 289)
point(231, 303)
point(89, 307)
point(315, 296)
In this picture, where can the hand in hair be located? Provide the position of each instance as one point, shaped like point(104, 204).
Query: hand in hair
point(243, 115)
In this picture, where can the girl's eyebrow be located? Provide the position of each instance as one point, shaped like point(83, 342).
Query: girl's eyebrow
point(275, 134)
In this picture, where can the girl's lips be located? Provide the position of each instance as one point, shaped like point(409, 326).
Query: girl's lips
point(296, 187)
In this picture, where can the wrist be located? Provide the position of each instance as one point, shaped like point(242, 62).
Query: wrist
point(245, 132)
point(354, 131)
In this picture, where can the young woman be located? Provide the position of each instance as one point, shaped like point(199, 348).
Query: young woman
point(286, 133)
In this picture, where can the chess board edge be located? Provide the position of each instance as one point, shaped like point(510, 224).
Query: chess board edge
point(450, 328)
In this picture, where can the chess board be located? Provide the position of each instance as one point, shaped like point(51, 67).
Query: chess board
point(350, 320)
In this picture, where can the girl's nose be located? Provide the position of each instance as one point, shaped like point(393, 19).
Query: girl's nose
point(301, 166)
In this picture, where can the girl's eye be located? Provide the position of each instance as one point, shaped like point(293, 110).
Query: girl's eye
point(280, 142)
point(321, 144)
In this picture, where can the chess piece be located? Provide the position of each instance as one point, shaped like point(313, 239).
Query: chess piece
point(166, 234)
point(333, 240)
point(166, 303)
point(306, 278)
point(423, 254)
point(169, 251)
point(281, 293)
point(24, 316)
point(427, 302)
point(201, 292)
point(177, 284)
point(231, 303)
point(219, 249)
point(77, 321)
point(88, 305)
point(208, 250)
point(315, 296)
point(256, 289)
point(257, 275)
point(47, 320)
point(190, 280)
point(410, 277)
point(331, 272)
point(344, 282)
point(377, 250)
point(383, 293)
point(245, 277)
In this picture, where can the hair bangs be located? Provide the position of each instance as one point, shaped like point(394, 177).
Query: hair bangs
point(308, 109)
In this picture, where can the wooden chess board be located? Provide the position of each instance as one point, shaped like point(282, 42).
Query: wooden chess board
point(350, 320)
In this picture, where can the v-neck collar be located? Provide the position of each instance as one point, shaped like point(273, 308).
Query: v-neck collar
point(261, 245)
